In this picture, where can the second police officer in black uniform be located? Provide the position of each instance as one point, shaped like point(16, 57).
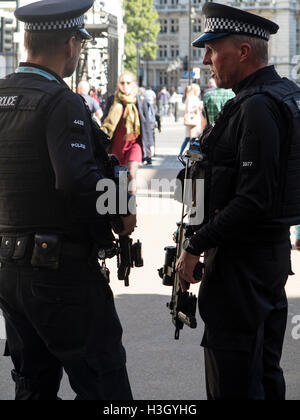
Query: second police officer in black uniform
point(252, 196)
point(58, 308)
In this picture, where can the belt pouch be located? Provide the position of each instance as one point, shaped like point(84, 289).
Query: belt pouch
point(7, 248)
point(20, 248)
point(46, 251)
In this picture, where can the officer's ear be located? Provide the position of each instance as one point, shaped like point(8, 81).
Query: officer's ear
point(71, 46)
point(245, 51)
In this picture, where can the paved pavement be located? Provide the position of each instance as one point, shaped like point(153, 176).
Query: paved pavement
point(160, 367)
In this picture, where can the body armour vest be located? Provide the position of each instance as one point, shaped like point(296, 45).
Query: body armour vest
point(28, 199)
point(220, 185)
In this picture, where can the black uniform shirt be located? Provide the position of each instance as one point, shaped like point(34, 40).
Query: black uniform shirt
point(250, 145)
point(71, 148)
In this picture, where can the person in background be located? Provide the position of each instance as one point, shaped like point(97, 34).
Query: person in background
point(126, 122)
point(213, 100)
point(179, 90)
point(150, 96)
point(192, 116)
point(142, 94)
point(163, 97)
point(211, 86)
point(101, 97)
point(93, 94)
point(297, 234)
point(174, 101)
point(83, 89)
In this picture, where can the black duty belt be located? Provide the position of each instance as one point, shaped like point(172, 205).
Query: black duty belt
point(21, 248)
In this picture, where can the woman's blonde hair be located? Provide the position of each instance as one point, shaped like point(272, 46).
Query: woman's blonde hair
point(195, 89)
point(128, 73)
point(192, 89)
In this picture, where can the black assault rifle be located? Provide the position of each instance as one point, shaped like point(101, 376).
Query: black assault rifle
point(182, 304)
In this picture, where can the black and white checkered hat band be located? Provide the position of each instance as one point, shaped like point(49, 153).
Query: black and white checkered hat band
point(55, 25)
point(232, 26)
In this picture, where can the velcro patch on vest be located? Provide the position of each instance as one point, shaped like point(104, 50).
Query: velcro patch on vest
point(8, 101)
point(30, 101)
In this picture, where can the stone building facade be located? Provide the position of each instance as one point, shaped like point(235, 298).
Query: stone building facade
point(173, 40)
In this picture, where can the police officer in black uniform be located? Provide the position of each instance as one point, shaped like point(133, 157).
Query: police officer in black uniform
point(58, 307)
point(252, 172)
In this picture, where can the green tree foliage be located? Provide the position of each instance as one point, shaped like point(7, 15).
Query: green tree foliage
point(140, 19)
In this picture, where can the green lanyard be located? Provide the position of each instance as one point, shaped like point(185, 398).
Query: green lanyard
point(40, 72)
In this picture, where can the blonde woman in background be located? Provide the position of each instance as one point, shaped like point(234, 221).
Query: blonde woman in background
point(192, 116)
point(126, 121)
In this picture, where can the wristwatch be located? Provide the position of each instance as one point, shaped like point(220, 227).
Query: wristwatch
point(189, 248)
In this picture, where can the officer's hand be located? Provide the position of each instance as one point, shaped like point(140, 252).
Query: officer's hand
point(185, 268)
point(129, 224)
point(297, 244)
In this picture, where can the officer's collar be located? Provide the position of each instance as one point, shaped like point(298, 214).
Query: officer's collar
point(256, 79)
point(44, 71)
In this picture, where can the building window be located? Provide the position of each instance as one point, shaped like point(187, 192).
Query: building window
point(197, 53)
point(174, 50)
point(163, 26)
point(175, 2)
point(162, 51)
point(196, 2)
point(163, 78)
point(174, 26)
point(197, 26)
point(163, 2)
point(298, 35)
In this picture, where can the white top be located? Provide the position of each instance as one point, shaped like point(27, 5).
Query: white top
point(193, 105)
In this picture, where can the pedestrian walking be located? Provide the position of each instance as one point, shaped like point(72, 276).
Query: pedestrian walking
point(163, 97)
point(94, 94)
point(192, 116)
point(83, 89)
point(142, 94)
point(251, 174)
point(58, 307)
point(174, 101)
point(211, 85)
point(150, 96)
point(213, 101)
point(126, 121)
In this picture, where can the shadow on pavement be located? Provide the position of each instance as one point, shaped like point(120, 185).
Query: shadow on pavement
point(161, 368)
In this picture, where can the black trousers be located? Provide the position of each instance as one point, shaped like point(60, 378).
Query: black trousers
point(58, 319)
point(254, 375)
point(244, 306)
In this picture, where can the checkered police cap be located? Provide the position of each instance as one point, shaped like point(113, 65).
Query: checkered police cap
point(217, 25)
point(55, 25)
point(223, 20)
point(54, 15)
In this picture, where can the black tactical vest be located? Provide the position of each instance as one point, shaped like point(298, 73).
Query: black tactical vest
point(287, 206)
point(28, 199)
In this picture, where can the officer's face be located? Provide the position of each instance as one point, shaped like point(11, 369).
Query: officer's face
point(223, 57)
